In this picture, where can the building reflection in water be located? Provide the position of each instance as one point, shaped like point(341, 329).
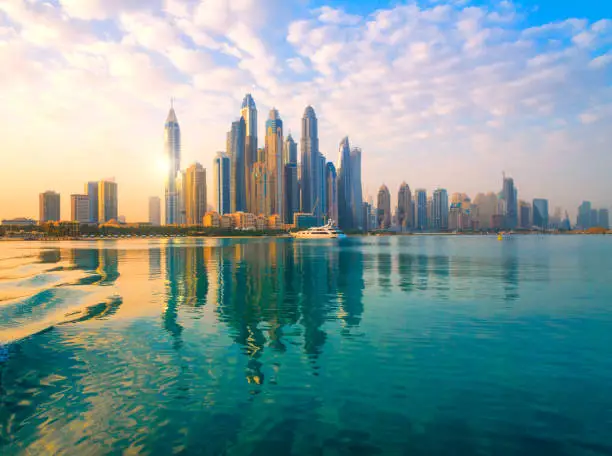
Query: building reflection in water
point(510, 271)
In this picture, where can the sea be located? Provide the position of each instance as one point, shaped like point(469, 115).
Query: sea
point(398, 345)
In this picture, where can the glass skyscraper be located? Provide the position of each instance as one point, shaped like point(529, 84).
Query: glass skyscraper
point(540, 213)
point(420, 197)
point(248, 111)
point(49, 207)
point(195, 198)
point(172, 149)
point(356, 198)
point(439, 209)
point(91, 188)
point(107, 201)
point(310, 178)
point(274, 162)
point(383, 204)
point(331, 187)
point(404, 207)
point(236, 150)
point(345, 186)
point(221, 170)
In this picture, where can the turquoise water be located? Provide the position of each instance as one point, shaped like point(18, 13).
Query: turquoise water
point(412, 345)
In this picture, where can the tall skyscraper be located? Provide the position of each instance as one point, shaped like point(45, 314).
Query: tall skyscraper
point(91, 188)
point(261, 189)
point(154, 210)
point(420, 198)
point(540, 213)
point(290, 150)
point(509, 195)
point(292, 201)
point(404, 207)
point(107, 201)
point(439, 210)
point(384, 208)
point(274, 162)
point(603, 217)
point(248, 111)
point(331, 192)
point(238, 177)
point(79, 208)
point(172, 149)
point(526, 215)
point(310, 178)
point(584, 215)
point(357, 197)
point(345, 187)
point(594, 218)
point(49, 206)
point(181, 208)
point(195, 193)
point(322, 192)
point(222, 177)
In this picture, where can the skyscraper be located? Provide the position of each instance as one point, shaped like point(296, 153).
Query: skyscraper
point(345, 186)
point(540, 213)
point(594, 218)
point(172, 149)
point(79, 208)
point(356, 198)
point(584, 215)
point(309, 145)
point(331, 192)
point(603, 217)
point(248, 111)
point(290, 150)
point(509, 195)
point(236, 150)
point(261, 189)
point(107, 201)
point(195, 193)
point(222, 173)
point(420, 198)
point(181, 210)
point(322, 192)
point(154, 210)
point(274, 162)
point(526, 218)
point(384, 207)
point(439, 209)
point(91, 188)
point(49, 206)
point(292, 202)
point(404, 207)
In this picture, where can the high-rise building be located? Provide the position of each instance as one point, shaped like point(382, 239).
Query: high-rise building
point(91, 188)
point(603, 217)
point(172, 150)
point(292, 202)
point(239, 172)
point(222, 178)
point(310, 178)
point(79, 208)
point(420, 198)
point(594, 218)
point(384, 208)
point(107, 201)
point(540, 213)
point(290, 150)
point(345, 187)
point(248, 111)
point(526, 219)
point(181, 209)
point(194, 189)
point(584, 215)
point(322, 192)
point(154, 210)
point(509, 195)
point(404, 207)
point(331, 192)
point(274, 162)
point(49, 206)
point(439, 209)
point(486, 207)
point(261, 189)
point(357, 197)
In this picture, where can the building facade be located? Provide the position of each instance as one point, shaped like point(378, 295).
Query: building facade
point(357, 196)
point(331, 192)
point(420, 212)
point(310, 175)
point(439, 209)
point(292, 199)
point(222, 171)
point(155, 210)
point(584, 215)
point(509, 195)
point(195, 198)
point(91, 188)
point(345, 187)
point(172, 150)
point(107, 201)
point(540, 213)
point(404, 207)
point(526, 215)
point(383, 204)
point(248, 112)
point(79, 208)
point(235, 151)
point(603, 217)
point(49, 207)
point(274, 162)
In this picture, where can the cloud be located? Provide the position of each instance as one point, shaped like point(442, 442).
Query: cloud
point(448, 91)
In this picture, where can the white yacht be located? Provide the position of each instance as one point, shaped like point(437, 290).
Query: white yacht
point(328, 231)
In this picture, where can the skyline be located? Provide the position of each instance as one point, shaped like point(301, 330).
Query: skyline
point(465, 96)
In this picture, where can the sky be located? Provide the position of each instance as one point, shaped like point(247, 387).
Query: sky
point(446, 93)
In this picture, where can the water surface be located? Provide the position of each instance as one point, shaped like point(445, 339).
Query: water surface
point(411, 345)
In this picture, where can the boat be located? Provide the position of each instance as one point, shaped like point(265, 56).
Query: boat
point(327, 231)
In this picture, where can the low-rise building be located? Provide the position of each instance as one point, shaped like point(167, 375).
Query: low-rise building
point(211, 220)
point(275, 222)
point(20, 221)
point(302, 220)
point(227, 222)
